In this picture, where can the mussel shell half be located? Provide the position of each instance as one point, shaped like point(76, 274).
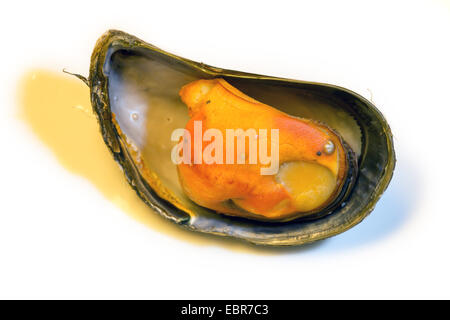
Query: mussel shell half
point(374, 148)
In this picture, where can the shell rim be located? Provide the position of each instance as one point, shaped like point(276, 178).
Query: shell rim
point(98, 84)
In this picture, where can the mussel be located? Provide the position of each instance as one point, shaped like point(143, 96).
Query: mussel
point(142, 95)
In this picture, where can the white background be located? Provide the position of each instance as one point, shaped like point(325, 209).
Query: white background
point(61, 237)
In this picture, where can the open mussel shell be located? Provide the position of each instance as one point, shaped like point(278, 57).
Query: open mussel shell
point(134, 93)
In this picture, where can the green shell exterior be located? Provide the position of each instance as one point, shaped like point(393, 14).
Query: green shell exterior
point(376, 163)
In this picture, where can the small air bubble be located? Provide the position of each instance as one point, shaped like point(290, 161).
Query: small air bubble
point(329, 147)
point(134, 116)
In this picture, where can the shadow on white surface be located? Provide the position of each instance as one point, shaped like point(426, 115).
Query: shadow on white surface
point(56, 106)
